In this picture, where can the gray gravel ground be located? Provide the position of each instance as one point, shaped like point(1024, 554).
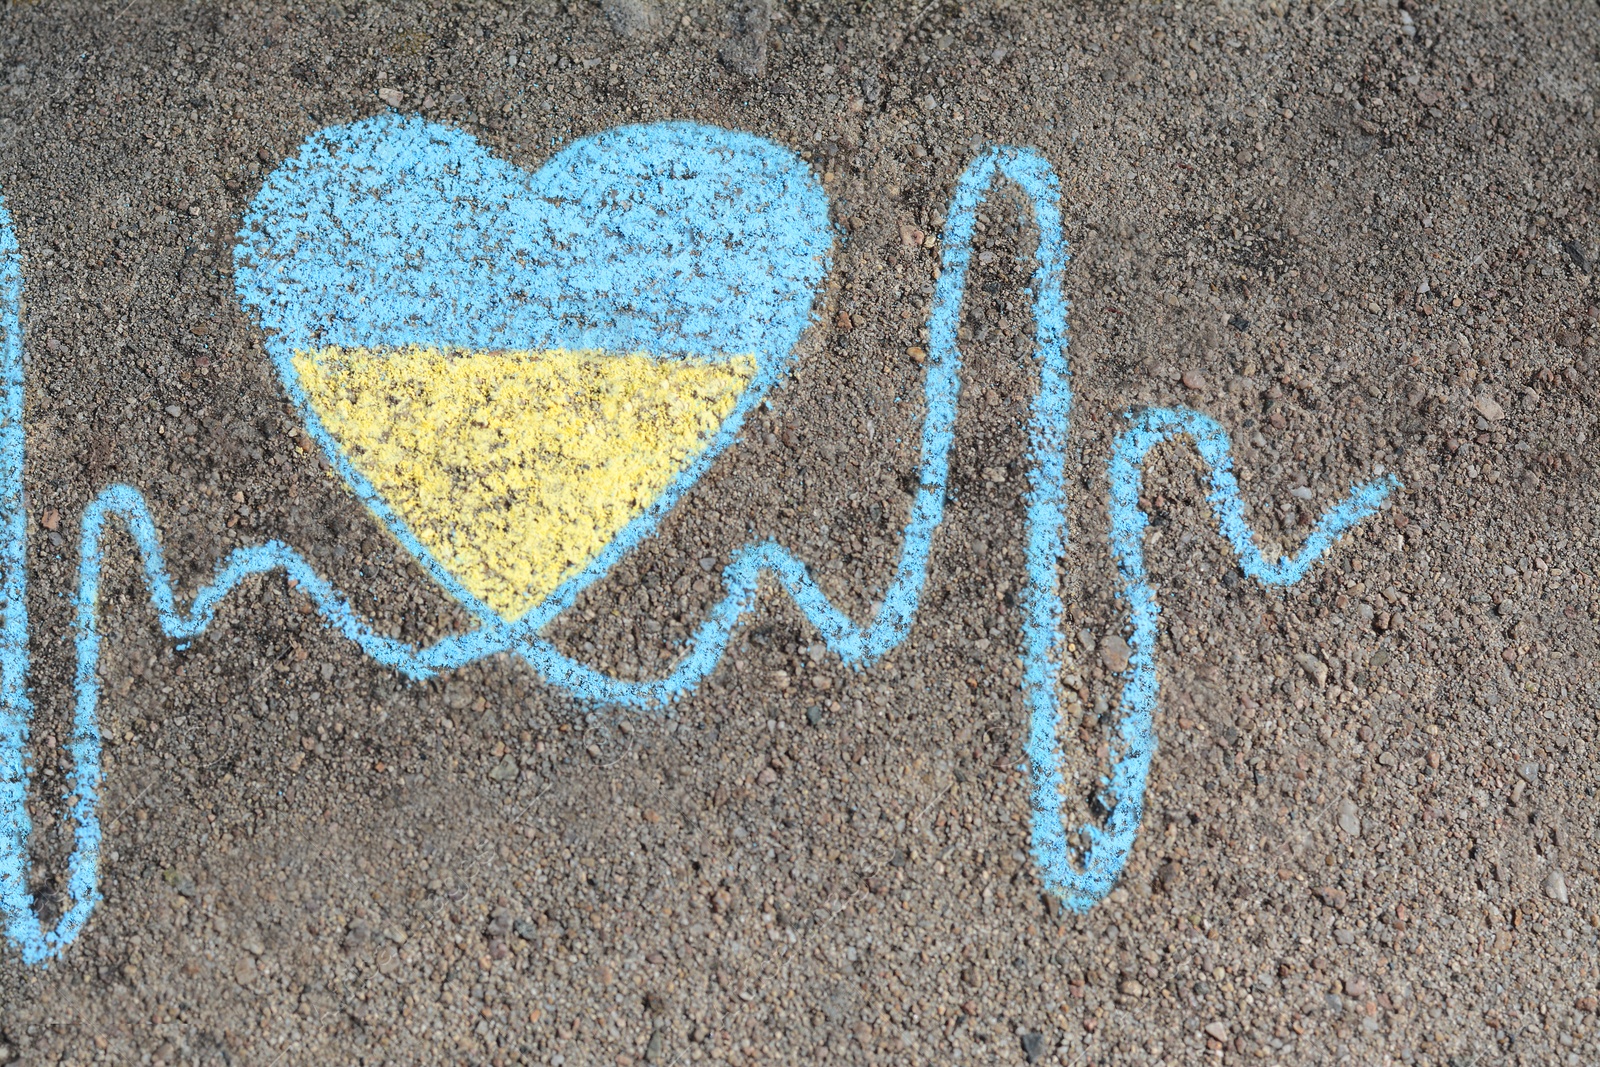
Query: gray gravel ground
point(1354, 233)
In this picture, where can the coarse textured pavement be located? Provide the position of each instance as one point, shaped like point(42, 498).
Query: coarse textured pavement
point(1356, 234)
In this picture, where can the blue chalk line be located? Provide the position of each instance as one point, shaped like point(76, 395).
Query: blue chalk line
point(1078, 876)
point(1106, 848)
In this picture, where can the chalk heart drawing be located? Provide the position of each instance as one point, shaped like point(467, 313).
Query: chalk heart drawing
point(520, 373)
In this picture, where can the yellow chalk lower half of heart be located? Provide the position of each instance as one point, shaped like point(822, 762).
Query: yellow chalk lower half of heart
point(516, 469)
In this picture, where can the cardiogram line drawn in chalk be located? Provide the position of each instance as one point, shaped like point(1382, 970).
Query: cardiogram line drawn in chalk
point(376, 305)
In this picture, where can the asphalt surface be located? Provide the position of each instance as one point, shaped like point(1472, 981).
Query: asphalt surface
point(1357, 235)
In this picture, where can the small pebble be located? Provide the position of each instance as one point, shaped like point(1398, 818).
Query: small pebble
point(1169, 875)
point(748, 23)
point(630, 18)
point(1115, 653)
point(1349, 817)
point(1315, 669)
point(1488, 408)
point(1555, 887)
point(245, 971)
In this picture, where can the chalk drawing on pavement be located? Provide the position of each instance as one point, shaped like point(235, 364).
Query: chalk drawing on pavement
point(454, 328)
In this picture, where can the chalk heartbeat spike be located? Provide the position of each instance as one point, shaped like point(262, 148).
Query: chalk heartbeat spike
point(1079, 876)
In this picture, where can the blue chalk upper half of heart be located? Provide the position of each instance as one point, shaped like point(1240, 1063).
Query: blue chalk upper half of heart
point(673, 239)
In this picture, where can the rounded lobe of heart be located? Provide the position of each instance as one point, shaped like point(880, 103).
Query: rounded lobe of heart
point(673, 239)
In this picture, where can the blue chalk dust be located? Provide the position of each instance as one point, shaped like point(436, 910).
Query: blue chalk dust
point(346, 287)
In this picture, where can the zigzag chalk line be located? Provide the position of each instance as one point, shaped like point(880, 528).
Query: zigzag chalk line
point(1079, 876)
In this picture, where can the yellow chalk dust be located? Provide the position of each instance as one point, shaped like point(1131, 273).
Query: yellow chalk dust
point(515, 469)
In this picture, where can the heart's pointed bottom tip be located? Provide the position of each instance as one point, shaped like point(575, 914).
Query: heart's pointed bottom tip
point(512, 471)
